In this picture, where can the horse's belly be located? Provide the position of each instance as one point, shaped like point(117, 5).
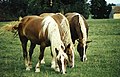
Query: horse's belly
point(34, 39)
point(39, 41)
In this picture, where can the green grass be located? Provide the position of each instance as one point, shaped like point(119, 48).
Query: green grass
point(103, 54)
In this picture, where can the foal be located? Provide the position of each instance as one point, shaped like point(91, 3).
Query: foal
point(44, 32)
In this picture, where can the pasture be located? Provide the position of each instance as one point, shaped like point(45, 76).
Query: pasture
point(103, 54)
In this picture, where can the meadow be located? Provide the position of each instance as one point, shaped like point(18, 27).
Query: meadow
point(103, 54)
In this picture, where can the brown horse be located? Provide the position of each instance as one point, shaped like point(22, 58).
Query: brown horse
point(79, 30)
point(65, 34)
point(44, 32)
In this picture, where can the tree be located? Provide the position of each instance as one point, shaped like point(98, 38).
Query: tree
point(66, 2)
point(100, 9)
point(109, 8)
point(80, 6)
point(15, 8)
point(18, 7)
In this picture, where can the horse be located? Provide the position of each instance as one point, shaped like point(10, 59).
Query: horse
point(44, 32)
point(65, 34)
point(79, 31)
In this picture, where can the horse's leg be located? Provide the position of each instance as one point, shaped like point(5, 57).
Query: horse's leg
point(32, 46)
point(42, 48)
point(54, 64)
point(24, 41)
point(43, 61)
point(53, 61)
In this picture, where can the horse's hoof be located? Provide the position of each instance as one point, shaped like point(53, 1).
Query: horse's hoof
point(63, 73)
point(27, 69)
point(83, 59)
point(57, 70)
point(37, 70)
point(42, 62)
point(30, 66)
point(53, 66)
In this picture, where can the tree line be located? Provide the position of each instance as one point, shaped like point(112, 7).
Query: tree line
point(12, 9)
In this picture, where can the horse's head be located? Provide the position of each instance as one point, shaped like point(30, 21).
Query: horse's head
point(62, 59)
point(83, 34)
point(81, 48)
point(69, 50)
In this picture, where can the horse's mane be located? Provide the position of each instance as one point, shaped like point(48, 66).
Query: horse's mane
point(66, 28)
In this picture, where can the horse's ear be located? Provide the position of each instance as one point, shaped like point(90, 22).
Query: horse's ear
point(56, 51)
point(68, 46)
point(88, 41)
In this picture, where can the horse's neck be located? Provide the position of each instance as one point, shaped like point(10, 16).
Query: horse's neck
point(54, 34)
point(55, 42)
point(83, 28)
point(67, 37)
point(55, 38)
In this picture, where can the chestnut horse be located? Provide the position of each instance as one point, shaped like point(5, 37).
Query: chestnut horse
point(44, 32)
point(79, 30)
point(65, 34)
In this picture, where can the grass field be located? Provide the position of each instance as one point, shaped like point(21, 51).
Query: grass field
point(103, 54)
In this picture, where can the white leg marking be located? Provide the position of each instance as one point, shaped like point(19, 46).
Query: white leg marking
point(43, 61)
point(57, 69)
point(37, 68)
point(73, 55)
point(53, 64)
point(27, 68)
point(63, 67)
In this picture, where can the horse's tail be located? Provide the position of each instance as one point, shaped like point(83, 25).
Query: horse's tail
point(11, 28)
point(15, 28)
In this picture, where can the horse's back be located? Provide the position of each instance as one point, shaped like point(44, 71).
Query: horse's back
point(30, 27)
point(46, 14)
point(78, 26)
point(31, 22)
point(55, 16)
point(71, 16)
point(63, 27)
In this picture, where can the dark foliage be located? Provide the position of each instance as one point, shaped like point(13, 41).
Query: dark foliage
point(100, 9)
point(12, 9)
